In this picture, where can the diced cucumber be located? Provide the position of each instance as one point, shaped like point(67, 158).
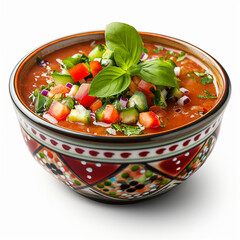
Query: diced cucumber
point(174, 92)
point(159, 99)
point(129, 115)
point(73, 90)
point(99, 113)
point(70, 62)
point(79, 116)
point(60, 78)
point(97, 52)
point(108, 54)
point(139, 101)
point(117, 105)
point(107, 63)
point(58, 97)
point(68, 102)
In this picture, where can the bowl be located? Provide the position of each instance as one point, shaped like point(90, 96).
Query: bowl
point(120, 169)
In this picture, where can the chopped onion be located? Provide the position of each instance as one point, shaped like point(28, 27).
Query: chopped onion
point(123, 102)
point(183, 100)
point(92, 115)
point(43, 63)
point(69, 85)
point(184, 90)
point(80, 107)
point(144, 56)
point(44, 92)
point(111, 131)
point(102, 124)
point(164, 93)
point(177, 71)
point(50, 118)
point(178, 110)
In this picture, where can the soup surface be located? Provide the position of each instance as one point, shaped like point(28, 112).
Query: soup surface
point(175, 107)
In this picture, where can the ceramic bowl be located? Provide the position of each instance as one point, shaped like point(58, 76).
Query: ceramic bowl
point(120, 169)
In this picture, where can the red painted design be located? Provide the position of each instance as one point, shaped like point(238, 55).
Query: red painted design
point(42, 137)
point(173, 166)
point(207, 130)
point(160, 151)
point(125, 155)
point(108, 154)
point(197, 137)
point(79, 150)
point(173, 148)
point(186, 142)
point(31, 143)
point(93, 153)
point(33, 131)
point(143, 154)
point(66, 147)
point(53, 142)
point(90, 172)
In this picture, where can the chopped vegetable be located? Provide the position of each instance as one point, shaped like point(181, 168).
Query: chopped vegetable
point(82, 95)
point(149, 120)
point(95, 67)
point(58, 110)
point(79, 72)
point(110, 114)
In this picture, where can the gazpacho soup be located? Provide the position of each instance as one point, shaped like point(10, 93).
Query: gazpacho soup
point(120, 86)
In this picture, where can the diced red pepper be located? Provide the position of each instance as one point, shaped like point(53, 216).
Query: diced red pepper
point(149, 120)
point(82, 95)
point(146, 86)
point(96, 104)
point(58, 110)
point(95, 67)
point(59, 89)
point(133, 87)
point(158, 110)
point(79, 72)
point(110, 114)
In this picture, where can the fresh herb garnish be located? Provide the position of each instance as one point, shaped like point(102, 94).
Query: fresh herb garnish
point(127, 45)
point(128, 129)
point(145, 50)
point(158, 49)
point(163, 125)
point(171, 53)
point(181, 57)
point(206, 80)
point(192, 77)
point(209, 95)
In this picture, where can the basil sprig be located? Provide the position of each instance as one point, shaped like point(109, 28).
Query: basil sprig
point(127, 45)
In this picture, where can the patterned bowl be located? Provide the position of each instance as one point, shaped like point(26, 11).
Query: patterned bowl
point(120, 169)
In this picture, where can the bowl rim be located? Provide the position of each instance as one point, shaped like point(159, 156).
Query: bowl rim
point(15, 96)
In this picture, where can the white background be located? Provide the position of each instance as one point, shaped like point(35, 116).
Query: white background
point(33, 205)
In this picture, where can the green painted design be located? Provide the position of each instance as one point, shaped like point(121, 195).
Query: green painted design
point(165, 181)
point(77, 182)
point(142, 179)
point(135, 168)
point(148, 174)
point(41, 155)
point(100, 185)
point(107, 183)
point(112, 193)
point(125, 175)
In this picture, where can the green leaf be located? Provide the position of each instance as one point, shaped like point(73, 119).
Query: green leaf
point(206, 80)
point(125, 42)
point(109, 81)
point(181, 57)
point(199, 74)
point(158, 72)
point(192, 77)
point(158, 49)
point(132, 130)
point(171, 53)
point(116, 127)
point(145, 50)
point(40, 103)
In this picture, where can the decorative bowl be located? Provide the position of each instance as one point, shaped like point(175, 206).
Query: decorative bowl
point(120, 169)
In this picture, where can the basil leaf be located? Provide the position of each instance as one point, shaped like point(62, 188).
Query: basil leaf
point(109, 81)
point(171, 53)
point(125, 42)
point(192, 77)
point(158, 72)
point(40, 103)
point(158, 49)
point(206, 80)
point(116, 127)
point(206, 96)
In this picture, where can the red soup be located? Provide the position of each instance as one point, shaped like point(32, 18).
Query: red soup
point(115, 88)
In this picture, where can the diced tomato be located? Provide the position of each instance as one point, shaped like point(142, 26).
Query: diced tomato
point(96, 104)
point(58, 110)
point(149, 120)
point(59, 89)
point(146, 86)
point(79, 72)
point(158, 110)
point(133, 87)
point(95, 67)
point(110, 114)
point(82, 95)
point(136, 80)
